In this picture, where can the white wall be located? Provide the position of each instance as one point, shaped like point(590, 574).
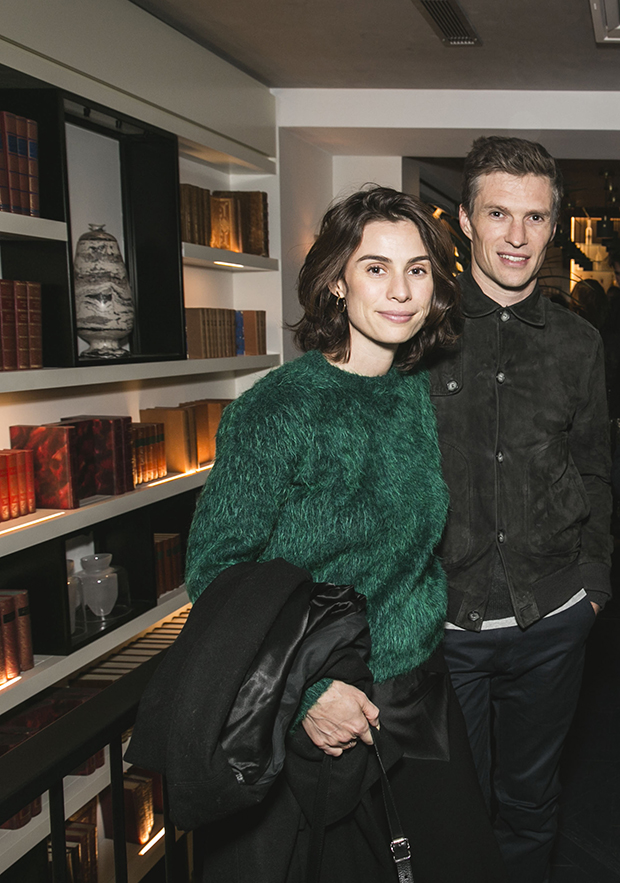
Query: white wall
point(351, 173)
point(306, 189)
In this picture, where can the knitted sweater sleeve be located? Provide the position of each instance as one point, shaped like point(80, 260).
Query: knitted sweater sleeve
point(244, 493)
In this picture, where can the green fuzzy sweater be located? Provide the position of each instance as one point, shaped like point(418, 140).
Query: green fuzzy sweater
point(339, 474)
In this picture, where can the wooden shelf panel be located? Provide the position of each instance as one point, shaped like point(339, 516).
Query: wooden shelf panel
point(95, 375)
point(47, 524)
point(49, 670)
point(219, 259)
point(24, 227)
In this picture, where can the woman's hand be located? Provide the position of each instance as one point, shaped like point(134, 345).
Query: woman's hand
point(340, 717)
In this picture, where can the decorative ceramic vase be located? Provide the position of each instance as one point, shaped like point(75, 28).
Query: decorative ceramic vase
point(99, 583)
point(103, 301)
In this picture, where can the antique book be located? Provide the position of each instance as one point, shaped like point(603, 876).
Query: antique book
point(254, 332)
point(20, 296)
point(252, 209)
point(195, 333)
point(9, 487)
point(112, 452)
point(35, 343)
point(5, 205)
point(21, 126)
point(85, 835)
point(8, 623)
point(139, 815)
point(3, 677)
point(8, 340)
point(85, 455)
point(8, 130)
point(225, 223)
point(239, 338)
point(33, 167)
point(18, 492)
point(207, 416)
point(179, 434)
point(23, 627)
point(55, 462)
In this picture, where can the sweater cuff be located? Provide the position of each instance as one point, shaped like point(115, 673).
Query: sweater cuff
point(596, 582)
point(308, 699)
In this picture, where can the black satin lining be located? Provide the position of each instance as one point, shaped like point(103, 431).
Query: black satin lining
point(414, 710)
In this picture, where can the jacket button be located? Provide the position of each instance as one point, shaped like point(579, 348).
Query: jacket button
point(504, 315)
point(500, 456)
point(473, 616)
point(452, 385)
point(500, 376)
point(501, 537)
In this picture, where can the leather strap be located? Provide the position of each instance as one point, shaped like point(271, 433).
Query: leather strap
point(399, 844)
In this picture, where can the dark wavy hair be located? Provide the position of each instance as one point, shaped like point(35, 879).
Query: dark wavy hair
point(322, 326)
point(515, 156)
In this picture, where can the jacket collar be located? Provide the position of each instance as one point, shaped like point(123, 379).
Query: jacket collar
point(476, 304)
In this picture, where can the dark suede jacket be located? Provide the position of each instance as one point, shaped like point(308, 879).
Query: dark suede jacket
point(524, 435)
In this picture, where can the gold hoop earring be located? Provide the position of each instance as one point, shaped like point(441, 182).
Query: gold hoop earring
point(341, 303)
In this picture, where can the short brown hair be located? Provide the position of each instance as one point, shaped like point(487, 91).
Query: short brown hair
point(322, 326)
point(515, 156)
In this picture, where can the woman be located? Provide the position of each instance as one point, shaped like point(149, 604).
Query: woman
point(331, 462)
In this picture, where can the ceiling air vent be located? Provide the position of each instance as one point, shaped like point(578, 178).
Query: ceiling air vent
point(606, 20)
point(448, 21)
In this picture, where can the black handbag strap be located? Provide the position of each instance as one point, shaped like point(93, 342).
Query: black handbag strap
point(399, 844)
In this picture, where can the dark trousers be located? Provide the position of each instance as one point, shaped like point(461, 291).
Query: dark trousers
point(518, 690)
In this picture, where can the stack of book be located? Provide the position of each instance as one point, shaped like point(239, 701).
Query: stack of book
point(17, 484)
point(218, 333)
point(233, 220)
point(81, 840)
point(78, 458)
point(189, 430)
point(20, 325)
point(15, 634)
point(149, 452)
point(169, 562)
point(19, 165)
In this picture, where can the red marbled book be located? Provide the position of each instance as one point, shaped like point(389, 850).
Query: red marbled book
point(55, 462)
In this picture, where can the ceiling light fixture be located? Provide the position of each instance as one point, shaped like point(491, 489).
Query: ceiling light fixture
point(606, 20)
point(448, 21)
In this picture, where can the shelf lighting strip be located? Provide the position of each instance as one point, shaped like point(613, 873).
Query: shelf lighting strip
point(229, 264)
point(152, 841)
point(30, 523)
point(179, 475)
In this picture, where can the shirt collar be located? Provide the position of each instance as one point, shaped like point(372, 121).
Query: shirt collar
point(476, 304)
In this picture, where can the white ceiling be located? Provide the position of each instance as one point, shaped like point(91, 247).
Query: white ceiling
point(526, 44)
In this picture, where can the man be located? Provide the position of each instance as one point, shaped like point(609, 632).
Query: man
point(524, 434)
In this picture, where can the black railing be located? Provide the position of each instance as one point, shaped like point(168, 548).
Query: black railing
point(41, 762)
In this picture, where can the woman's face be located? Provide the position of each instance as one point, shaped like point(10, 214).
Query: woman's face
point(388, 286)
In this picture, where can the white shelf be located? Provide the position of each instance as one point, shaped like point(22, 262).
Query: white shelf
point(96, 375)
point(24, 227)
point(48, 524)
point(219, 259)
point(49, 670)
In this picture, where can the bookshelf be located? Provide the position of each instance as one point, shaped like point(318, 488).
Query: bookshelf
point(33, 548)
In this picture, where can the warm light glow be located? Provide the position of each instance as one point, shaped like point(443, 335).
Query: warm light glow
point(438, 213)
point(228, 264)
point(152, 841)
point(12, 681)
point(30, 523)
point(179, 475)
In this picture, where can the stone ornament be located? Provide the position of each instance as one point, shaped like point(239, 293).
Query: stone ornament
point(103, 300)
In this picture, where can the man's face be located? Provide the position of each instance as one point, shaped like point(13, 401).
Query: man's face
point(510, 228)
